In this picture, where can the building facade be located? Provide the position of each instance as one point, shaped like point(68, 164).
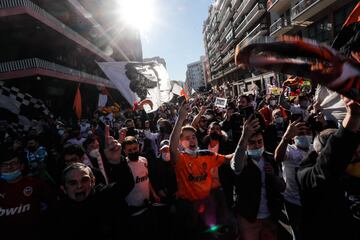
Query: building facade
point(50, 47)
point(195, 75)
point(232, 22)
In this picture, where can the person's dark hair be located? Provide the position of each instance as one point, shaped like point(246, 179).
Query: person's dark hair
point(128, 120)
point(90, 139)
point(246, 97)
point(128, 141)
point(32, 136)
point(70, 149)
point(322, 138)
point(73, 166)
point(214, 123)
point(7, 153)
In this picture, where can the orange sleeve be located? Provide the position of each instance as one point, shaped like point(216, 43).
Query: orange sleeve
point(216, 160)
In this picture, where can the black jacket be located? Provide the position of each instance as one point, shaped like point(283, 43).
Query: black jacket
point(103, 215)
point(329, 208)
point(248, 190)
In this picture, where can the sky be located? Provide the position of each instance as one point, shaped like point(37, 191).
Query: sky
point(176, 34)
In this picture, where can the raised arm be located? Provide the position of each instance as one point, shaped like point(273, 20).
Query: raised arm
point(293, 129)
point(196, 119)
point(239, 159)
point(336, 155)
point(175, 134)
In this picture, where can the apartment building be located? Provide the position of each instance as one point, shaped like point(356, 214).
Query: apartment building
point(232, 22)
point(195, 75)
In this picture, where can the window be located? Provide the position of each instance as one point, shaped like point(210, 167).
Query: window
point(319, 30)
point(341, 15)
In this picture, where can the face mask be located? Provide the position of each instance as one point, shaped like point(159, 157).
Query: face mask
point(61, 132)
point(191, 152)
point(279, 120)
point(272, 102)
point(133, 156)
point(214, 136)
point(165, 156)
point(303, 141)
point(11, 176)
point(94, 153)
point(255, 153)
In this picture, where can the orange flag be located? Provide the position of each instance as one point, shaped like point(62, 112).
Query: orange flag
point(77, 103)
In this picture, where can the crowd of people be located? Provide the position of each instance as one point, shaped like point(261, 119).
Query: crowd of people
point(263, 167)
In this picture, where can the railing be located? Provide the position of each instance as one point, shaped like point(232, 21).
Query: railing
point(278, 24)
point(248, 19)
point(229, 56)
point(301, 7)
point(225, 19)
point(226, 31)
point(260, 29)
point(234, 3)
point(30, 5)
point(32, 63)
point(243, 9)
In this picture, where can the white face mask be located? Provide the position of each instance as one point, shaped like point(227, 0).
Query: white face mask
point(191, 152)
point(272, 102)
point(165, 156)
point(94, 153)
point(279, 120)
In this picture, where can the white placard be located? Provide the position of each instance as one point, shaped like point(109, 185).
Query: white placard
point(220, 102)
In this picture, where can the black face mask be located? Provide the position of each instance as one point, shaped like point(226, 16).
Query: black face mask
point(133, 156)
point(214, 136)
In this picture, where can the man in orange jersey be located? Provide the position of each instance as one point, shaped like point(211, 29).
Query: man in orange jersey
point(192, 167)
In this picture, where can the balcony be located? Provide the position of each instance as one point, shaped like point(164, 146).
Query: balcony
point(229, 56)
point(232, 67)
point(222, 8)
point(259, 30)
point(278, 6)
point(36, 66)
point(18, 7)
point(280, 26)
point(235, 4)
point(254, 15)
point(227, 46)
point(226, 32)
point(306, 9)
point(244, 8)
point(226, 19)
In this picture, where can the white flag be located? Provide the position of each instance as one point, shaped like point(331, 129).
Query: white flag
point(176, 89)
point(140, 80)
point(102, 100)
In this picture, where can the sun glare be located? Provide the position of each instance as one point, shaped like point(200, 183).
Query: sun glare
point(137, 13)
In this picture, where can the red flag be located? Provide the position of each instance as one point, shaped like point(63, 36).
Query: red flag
point(77, 103)
point(354, 16)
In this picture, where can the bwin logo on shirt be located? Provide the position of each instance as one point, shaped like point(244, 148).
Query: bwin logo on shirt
point(199, 178)
point(141, 179)
point(15, 210)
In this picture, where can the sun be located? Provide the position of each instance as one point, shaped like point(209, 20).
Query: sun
point(137, 13)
